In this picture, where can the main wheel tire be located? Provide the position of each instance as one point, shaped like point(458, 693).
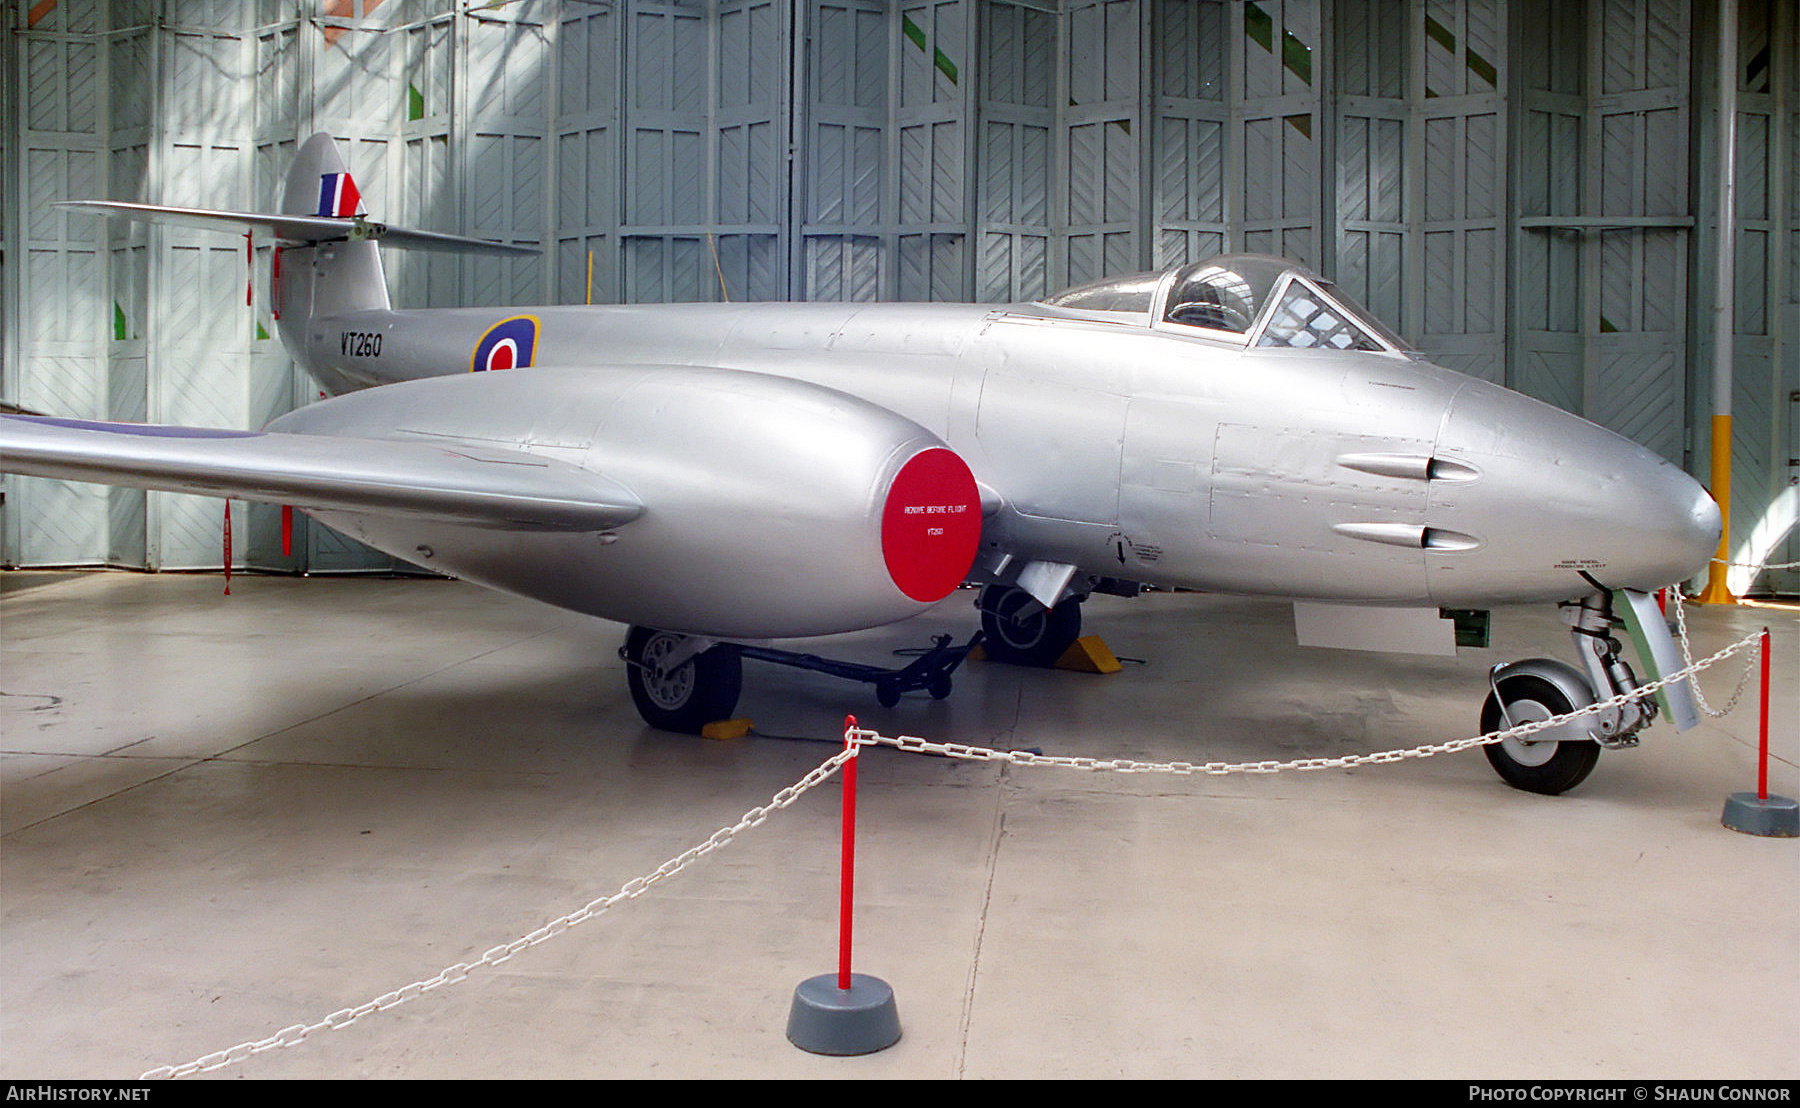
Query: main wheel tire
point(1551, 767)
point(689, 696)
point(1015, 628)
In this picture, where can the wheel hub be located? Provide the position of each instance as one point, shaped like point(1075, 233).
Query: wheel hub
point(1524, 751)
point(669, 688)
point(1021, 632)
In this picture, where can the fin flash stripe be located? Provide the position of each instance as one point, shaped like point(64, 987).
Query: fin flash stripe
point(338, 196)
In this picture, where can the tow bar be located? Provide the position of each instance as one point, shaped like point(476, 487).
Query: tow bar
point(930, 671)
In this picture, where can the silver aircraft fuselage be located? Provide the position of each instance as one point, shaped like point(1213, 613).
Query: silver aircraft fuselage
point(718, 473)
point(1127, 447)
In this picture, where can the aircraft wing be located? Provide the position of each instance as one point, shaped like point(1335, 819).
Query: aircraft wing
point(483, 485)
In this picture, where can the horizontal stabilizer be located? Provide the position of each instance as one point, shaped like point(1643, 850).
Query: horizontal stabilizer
point(483, 485)
point(300, 228)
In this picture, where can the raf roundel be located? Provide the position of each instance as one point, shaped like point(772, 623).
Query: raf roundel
point(931, 524)
point(508, 344)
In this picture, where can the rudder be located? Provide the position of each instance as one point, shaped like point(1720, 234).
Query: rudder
point(331, 277)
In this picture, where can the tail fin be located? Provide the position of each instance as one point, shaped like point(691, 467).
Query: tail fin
point(319, 183)
point(326, 277)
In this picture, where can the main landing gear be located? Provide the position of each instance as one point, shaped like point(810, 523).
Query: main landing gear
point(1556, 760)
point(679, 682)
point(1017, 629)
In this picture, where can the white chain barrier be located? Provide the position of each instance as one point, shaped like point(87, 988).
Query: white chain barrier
point(860, 737)
point(1757, 566)
point(1688, 657)
point(450, 975)
point(1348, 761)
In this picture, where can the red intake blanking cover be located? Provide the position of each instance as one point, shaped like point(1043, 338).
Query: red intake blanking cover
point(931, 525)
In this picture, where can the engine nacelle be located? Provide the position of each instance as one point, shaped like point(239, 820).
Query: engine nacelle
point(772, 507)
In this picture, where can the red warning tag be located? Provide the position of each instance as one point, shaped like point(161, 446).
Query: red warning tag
point(931, 525)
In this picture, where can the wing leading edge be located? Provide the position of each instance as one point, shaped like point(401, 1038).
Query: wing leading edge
point(481, 486)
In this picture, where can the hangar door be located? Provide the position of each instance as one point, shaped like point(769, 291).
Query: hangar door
point(1605, 217)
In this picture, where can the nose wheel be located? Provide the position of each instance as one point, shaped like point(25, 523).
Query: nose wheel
point(1548, 766)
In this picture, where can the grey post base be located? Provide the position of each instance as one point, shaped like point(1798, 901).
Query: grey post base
point(828, 1020)
point(1778, 816)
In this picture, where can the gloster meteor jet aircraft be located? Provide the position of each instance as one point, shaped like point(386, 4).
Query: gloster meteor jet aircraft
point(715, 475)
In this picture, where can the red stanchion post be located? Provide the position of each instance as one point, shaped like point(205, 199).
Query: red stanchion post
point(845, 1013)
point(1759, 813)
point(227, 551)
point(1762, 755)
point(847, 877)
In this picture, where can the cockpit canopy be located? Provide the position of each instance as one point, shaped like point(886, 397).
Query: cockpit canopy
point(1256, 299)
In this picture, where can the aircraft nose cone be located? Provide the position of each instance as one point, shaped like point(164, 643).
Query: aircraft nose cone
point(1693, 523)
point(1559, 498)
point(1652, 525)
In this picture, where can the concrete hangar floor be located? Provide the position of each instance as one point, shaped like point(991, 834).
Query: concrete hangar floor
point(224, 816)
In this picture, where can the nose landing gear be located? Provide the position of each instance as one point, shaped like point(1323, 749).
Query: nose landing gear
point(1556, 760)
point(1545, 765)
